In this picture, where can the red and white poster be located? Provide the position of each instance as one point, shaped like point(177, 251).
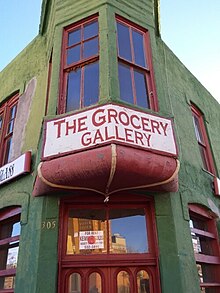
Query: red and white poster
point(91, 240)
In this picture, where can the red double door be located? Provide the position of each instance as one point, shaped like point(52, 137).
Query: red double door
point(108, 248)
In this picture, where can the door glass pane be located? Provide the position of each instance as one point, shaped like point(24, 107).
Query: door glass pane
point(141, 89)
point(143, 283)
point(124, 46)
point(125, 83)
point(95, 283)
point(128, 231)
point(73, 90)
point(138, 42)
point(91, 84)
point(75, 283)
point(87, 232)
point(123, 282)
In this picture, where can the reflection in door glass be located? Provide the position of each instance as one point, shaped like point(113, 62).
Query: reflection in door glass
point(87, 230)
point(95, 283)
point(129, 233)
point(75, 283)
point(143, 282)
point(123, 282)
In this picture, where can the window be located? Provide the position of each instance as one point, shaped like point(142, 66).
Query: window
point(135, 66)
point(9, 246)
point(206, 248)
point(80, 69)
point(106, 231)
point(202, 140)
point(7, 118)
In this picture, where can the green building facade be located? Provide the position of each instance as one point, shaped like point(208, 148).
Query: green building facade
point(110, 158)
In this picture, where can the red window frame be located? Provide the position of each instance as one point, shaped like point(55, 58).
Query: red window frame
point(147, 70)
point(6, 216)
point(202, 140)
point(206, 231)
point(6, 127)
point(67, 68)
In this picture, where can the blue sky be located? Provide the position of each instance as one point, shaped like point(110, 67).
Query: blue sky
point(189, 27)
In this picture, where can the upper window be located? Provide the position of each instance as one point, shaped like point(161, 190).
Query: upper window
point(135, 66)
point(206, 248)
point(202, 140)
point(9, 246)
point(7, 118)
point(80, 66)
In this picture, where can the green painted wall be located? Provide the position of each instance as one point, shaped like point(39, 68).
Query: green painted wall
point(176, 88)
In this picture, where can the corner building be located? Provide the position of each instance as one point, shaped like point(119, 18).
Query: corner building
point(110, 159)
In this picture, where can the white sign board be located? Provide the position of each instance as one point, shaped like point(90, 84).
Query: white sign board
point(15, 168)
point(91, 240)
point(108, 123)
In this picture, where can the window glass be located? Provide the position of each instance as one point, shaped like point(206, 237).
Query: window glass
point(202, 139)
point(87, 232)
point(197, 129)
point(141, 89)
point(75, 283)
point(74, 37)
point(73, 90)
point(7, 121)
point(90, 48)
point(123, 282)
point(207, 273)
point(205, 245)
point(11, 119)
point(126, 227)
point(73, 54)
point(204, 156)
point(9, 248)
point(138, 42)
point(125, 83)
point(1, 122)
point(80, 72)
point(91, 84)
point(8, 150)
point(11, 255)
point(95, 283)
point(7, 282)
point(143, 283)
point(124, 46)
point(135, 75)
point(90, 30)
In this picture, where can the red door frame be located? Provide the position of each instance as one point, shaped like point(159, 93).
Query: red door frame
point(69, 263)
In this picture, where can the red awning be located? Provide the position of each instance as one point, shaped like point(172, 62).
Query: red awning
point(106, 170)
